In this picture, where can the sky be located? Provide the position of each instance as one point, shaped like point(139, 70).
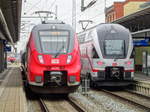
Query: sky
point(64, 10)
point(64, 7)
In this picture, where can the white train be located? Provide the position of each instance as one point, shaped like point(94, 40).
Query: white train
point(106, 55)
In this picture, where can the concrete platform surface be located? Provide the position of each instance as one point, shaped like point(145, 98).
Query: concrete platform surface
point(142, 77)
point(12, 96)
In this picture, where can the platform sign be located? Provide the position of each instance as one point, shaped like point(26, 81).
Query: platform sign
point(141, 42)
point(7, 48)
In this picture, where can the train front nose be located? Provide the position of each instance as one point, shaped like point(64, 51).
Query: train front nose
point(55, 76)
point(61, 71)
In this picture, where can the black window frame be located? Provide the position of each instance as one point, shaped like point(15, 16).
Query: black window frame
point(115, 56)
point(69, 36)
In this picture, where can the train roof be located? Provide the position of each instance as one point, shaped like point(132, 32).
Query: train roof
point(113, 31)
point(52, 24)
point(113, 28)
point(106, 27)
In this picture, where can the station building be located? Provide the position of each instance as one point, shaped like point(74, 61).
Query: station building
point(120, 9)
point(10, 17)
point(139, 25)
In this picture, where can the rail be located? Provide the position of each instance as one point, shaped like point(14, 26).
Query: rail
point(43, 106)
point(76, 106)
point(132, 101)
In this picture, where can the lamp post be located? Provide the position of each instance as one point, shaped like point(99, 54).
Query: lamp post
point(74, 14)
point(105, 9)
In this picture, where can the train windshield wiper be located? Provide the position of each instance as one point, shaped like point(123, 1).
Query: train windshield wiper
point(60, 50)
point(115, 58)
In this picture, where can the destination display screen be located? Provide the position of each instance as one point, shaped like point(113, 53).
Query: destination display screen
point(54, 33)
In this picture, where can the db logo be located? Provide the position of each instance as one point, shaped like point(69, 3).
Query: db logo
point(114, 64)
point(55, 61)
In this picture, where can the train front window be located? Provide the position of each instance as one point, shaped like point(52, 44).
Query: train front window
point(114, 48)
point(54, 42)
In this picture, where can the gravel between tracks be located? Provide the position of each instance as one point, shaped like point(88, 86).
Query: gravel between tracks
point(86, 103)
point(98, 101)
point(111, 104)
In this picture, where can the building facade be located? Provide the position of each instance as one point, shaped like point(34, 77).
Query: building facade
point(114, 12)
point(120, 9)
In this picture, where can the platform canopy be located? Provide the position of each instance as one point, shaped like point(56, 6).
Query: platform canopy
point(10, 17)
point(137, 21)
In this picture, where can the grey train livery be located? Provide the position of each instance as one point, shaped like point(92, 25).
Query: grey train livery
point(106, 55)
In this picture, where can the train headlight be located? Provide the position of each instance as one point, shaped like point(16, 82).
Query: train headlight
point(128, 62)
point(100, 63)
point(38, 79)
point(69, 59)
point(40, 57)
point(72, 79)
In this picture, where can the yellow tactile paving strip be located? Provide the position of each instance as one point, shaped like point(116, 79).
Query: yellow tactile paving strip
point(13, 99)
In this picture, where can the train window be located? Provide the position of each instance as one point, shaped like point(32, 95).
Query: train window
point(94, 52)
point(114, 47)
point(81, 38)
point(54, 41)
point(89, 37)
point(133, 53)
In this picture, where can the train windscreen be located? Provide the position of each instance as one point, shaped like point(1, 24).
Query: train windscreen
point(114, 48)
point(53, 42)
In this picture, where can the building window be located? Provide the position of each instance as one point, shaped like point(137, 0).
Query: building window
point(109, 18)
point(114, 15)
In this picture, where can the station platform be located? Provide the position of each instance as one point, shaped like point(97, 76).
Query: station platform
point(141, 77)
point(12, 96)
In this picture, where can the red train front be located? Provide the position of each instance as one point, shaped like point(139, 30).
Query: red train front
point(53, 59)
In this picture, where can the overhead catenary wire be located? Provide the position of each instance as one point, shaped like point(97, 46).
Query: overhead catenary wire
point(35, 5)
point(82, 13)
point(43, 5)
point(51, 6)
point(79, 14)
point(66, 18)
point(46, 1)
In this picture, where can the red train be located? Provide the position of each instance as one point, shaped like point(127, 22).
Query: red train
point(52, 59)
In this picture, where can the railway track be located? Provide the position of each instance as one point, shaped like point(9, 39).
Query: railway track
point(43, 106)
point(131, 97)
point(76, 106)
point(66, 105)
